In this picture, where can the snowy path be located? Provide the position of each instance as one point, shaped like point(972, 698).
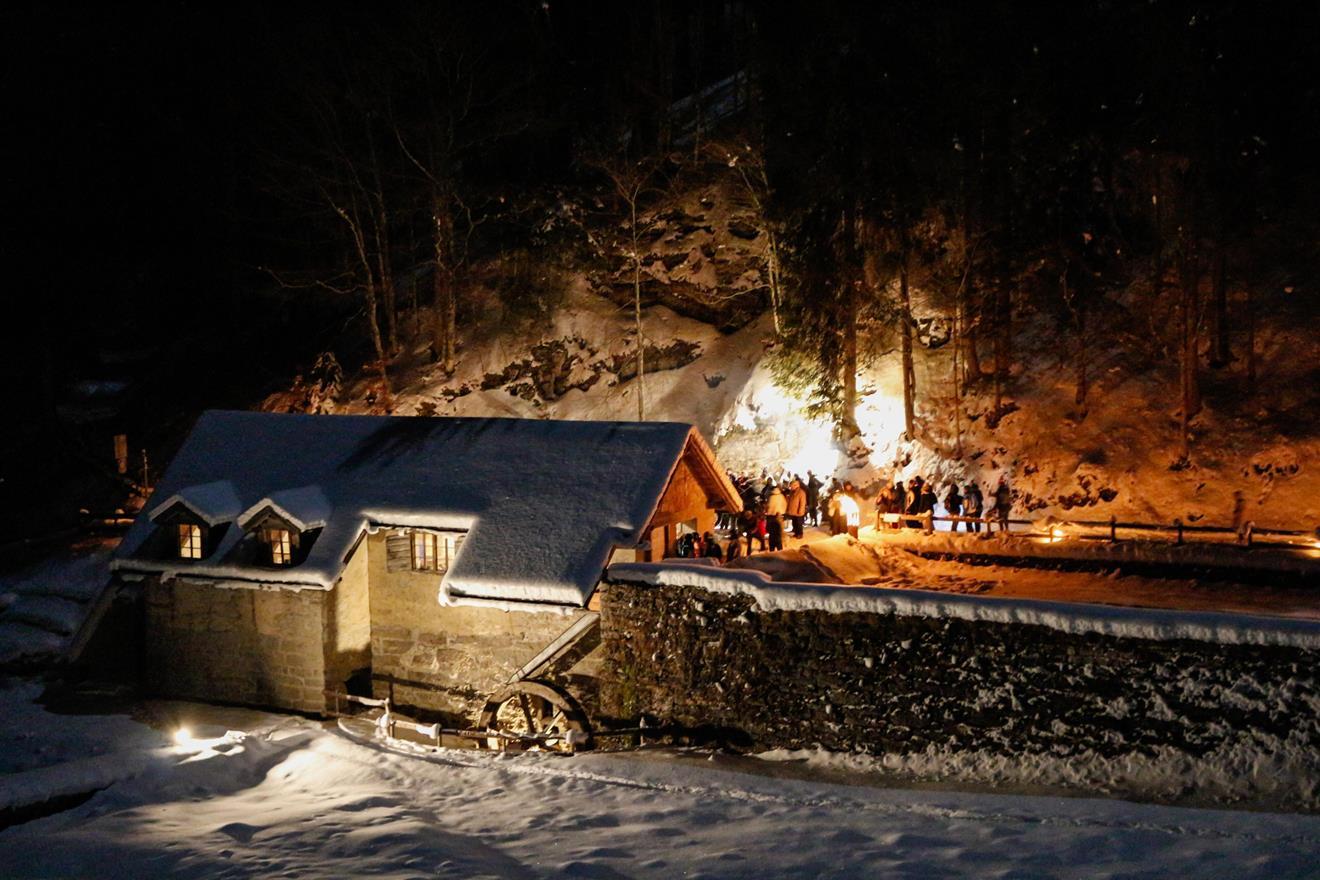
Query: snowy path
point(304, 802)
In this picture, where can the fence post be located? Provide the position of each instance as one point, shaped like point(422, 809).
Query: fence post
point(1247, 532)
point(929, 522)
point(1113, 529)
point(1179, 524)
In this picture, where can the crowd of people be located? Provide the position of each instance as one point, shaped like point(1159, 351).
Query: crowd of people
point(785, 504)
point(906, 506)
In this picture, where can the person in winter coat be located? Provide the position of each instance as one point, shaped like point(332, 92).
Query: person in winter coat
point(814, 485)
point(900, 501)
point(834, 513)
point(747, 527)
point(928, 499)
point(915, 487)
point(775, 508)
point(973, 505)
point(733, 551)
point(884, 503)
point(710, 548)
point(953, 504)
point(1003, 502)
point(796, 507)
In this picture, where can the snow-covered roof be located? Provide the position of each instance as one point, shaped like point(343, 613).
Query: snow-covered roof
point(304, 508)
point(543, 502)
point(214, 502)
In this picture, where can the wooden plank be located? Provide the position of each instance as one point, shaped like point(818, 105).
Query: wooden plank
point(585, 627)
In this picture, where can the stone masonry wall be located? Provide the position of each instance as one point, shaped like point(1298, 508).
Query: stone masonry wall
point(255, 646)
point(879, 683)
point(445, 660)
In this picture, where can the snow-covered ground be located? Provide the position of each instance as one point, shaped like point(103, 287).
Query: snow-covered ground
point(285, 797)
point(44, 604)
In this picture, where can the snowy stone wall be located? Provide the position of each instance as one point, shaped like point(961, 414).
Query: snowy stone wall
point(890, 684)
point(261, 647)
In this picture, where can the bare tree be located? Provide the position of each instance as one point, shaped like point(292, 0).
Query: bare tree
point(749, 163)
point(632, 182)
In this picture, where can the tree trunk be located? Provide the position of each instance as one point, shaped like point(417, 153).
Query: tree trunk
point(1157, 264)
point(1189, 281)
point(358, 234)
point(971, 358)
point(1083, 381)
point(909, 373)
point(1220, 354)
point(373, 323)
point(1251, 343)
point(444, 304)
point(772, 276)
point(848, 407)
point(957, 383)
point(637, 313)
point(385, 271)
point(998, 352)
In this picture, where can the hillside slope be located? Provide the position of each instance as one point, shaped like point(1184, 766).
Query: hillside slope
point(711, 366)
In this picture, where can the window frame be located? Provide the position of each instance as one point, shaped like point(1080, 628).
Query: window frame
point(190, 541)
point(444, 545)
point(428, 543)
point(279, 541)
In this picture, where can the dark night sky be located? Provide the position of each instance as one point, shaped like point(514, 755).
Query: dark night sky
point(127, 186)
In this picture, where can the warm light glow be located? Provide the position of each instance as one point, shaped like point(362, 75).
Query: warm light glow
point(183, 737)
point(850, 510)
point(1057, 534)
point(816, 449)
point(280, 542)
point(190, 541)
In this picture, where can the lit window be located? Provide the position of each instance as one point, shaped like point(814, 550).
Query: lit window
point(281, 546)
point(190, 541)
point(425, 549)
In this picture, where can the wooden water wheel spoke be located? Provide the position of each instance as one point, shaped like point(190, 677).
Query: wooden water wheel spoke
point(527, 713)
point(536, 715)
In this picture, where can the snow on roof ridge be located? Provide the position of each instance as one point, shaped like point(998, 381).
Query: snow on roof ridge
point(1154, 624)
point(214, 502)
point(305, 508)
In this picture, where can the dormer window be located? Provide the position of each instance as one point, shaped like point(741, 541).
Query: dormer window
point(190, 541)
point(280, 542)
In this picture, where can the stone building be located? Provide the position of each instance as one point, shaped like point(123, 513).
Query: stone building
point(284, 555)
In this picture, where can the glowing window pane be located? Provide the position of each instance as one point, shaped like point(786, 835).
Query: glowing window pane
point(425, 551)
point(281, 546)
point(190, 541)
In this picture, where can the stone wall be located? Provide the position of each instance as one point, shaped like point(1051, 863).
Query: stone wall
point(444, 661)
point(262, 647)
point(889, 684)
point(347, 625)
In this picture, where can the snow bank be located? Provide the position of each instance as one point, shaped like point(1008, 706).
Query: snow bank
point(43, 605)
point(317, 805)
point(33, 787)
point(1150, 624)
point(1297, 560)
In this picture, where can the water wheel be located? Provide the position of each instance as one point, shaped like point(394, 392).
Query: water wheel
point(534, 715)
